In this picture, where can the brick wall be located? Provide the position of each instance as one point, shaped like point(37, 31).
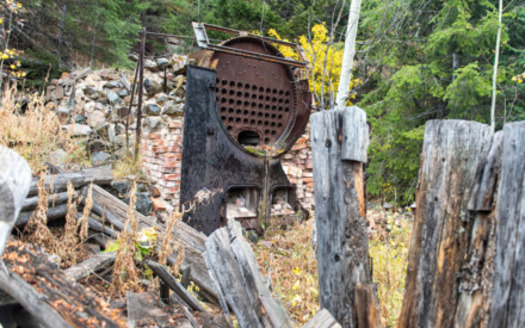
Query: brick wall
point(162, 157)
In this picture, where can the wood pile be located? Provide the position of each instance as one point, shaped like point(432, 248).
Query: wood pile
point(56, 297)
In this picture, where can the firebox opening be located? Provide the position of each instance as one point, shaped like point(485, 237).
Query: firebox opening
point(241, 205)
point(248, 138)
point(281, 198)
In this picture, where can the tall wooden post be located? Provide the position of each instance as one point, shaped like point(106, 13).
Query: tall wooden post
point(339, 143)
point(452, 152)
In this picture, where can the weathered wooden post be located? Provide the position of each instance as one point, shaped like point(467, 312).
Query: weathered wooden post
point(15, 177)
point(466, 262)
point(452, 152)
point(339, 144)
point(507, 295)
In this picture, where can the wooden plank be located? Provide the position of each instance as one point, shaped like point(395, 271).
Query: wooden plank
point(342, 239)
point(508, 294)
point(15, 177)
point(263, 300)
point(46, 293)
point(221, 261)
point(30, 299)
point(58, 183)
point(174, 285)
point(474, 282)
point(356, 137)
point(322, 319)
point(55, 199)
point(452, 152)
point(487, 177)
point(93, 264)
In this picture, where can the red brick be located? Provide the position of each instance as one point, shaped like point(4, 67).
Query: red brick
point(154, 136)
point(171, 177)
point(175, 125)
point(158, 204)
point(160, 149)
point(168, 156)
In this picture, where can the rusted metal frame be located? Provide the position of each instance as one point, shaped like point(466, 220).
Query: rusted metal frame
point(239, 33)
point(255, 55)
point(141, 92)
point(169, 35)
point(204, 42)
point(133, 87)
point(298, 49)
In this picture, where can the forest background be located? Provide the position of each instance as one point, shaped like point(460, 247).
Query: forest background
point(416, 60)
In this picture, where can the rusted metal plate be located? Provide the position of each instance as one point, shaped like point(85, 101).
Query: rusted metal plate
point(252, 95)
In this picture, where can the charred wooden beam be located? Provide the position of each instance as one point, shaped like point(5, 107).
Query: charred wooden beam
point(46, 293)
point(58, 183)
point(93, 264)
point(174, 285)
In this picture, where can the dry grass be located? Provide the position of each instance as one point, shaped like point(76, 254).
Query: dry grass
point(36, 133)
point(36, 230)
point(288, 258)
point(125, 272)
point(389, 252)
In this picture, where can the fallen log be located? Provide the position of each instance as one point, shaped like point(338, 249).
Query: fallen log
point(54, 199)
point(45, 292)
point(58, 183)
point(192, 240)
point(53, 213)
point(239, 282)
point(174, 285)
point(94, 264)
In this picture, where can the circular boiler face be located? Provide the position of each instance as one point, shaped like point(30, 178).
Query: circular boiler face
point(255, 98)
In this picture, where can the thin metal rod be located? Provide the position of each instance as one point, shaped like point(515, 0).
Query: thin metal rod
point(141, 91)
point(133, 87)
point(170, 35)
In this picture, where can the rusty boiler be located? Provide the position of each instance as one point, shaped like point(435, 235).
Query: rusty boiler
point(246, 105)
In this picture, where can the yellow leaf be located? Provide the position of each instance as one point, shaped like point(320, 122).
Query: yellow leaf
point(297, 271)
point(296, 285)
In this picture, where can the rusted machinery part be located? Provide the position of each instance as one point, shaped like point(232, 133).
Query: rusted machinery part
point(258, 101)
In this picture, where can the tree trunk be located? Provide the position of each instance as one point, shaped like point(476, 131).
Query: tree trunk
point(495, 76)
point(61, 36)
point(348, 54)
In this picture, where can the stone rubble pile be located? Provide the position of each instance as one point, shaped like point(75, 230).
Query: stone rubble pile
point(94, 106)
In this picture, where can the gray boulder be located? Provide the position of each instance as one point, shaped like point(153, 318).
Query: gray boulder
point(143, 203)
point(78, 130)
point(151, 65)
point(113, 98)
point(162, 63)
point(152, 86)
point(153, 109)
point(173, 109)
point(100, 158)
